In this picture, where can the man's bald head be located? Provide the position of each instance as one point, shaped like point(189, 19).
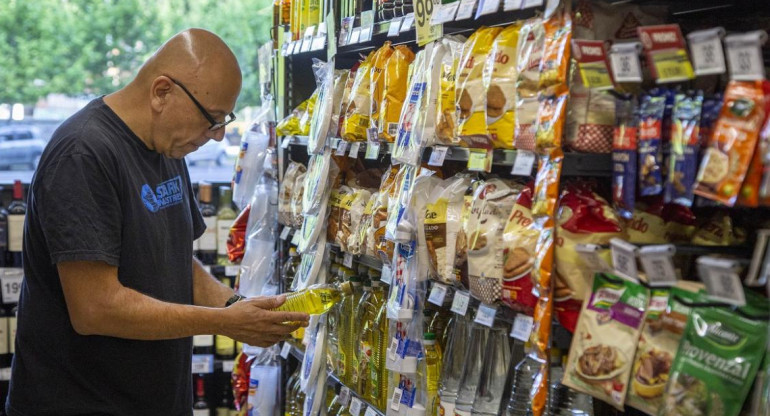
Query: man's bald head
point(158, 109)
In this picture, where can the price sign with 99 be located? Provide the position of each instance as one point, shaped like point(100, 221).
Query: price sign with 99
point(423, 9)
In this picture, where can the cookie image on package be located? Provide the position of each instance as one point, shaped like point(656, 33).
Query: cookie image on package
point(465, 104)
point(517, 262)
point(495, 102)
point(716, 167)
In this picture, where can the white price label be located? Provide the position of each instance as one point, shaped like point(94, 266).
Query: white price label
point(658, 264)
point(11, 279)
point(354, 148)
point(624, 61)
point(465, 9)
point(531, 3)
point(744, 55)
point(228, 366)
point(395, 402)
point(589, 253)
point(437, 294)
point(372, 150)
point(355, 36)
point(355, 406)
point(231, 271)
point(285, 49)
point(318, 42)
point(295, 238)
point(285, 143)
point(344, 396)
point(342, 147)
point(624, 259)
point(386, 275)
point(510, 5)
point(721, 279)
point(393, 350)
point(460, 303)
point(285, 350)
point(407, 24)
point(202, 363)
point(370, 412)
point(366, 34)
point(395, 26)
point(347, 260)
point(488, 7)
point(525, 161)
point(706, 52)
point(445, 13)
point(285, 233)
point(307, 40)
point(296, 46)
point(522, 327)
point(437, 156)
point(485, 315)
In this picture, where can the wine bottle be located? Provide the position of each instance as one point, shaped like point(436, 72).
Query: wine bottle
point(207, 243)
point(201, 405)
point(17, 210)
point(226, 402)
point(203, 344)
point(3, 233)
point(225, 218)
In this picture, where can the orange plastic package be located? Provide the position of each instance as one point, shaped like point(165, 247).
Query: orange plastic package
point(377, 81)
point(729, 152)
point(553, 66)
point(394, 93)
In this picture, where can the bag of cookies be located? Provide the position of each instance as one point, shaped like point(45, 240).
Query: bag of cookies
point(492, 202)
point(602, 351)
point(446, 117)
point(358, 242)
point(519, 241)
point(442, 224)
point(651, 113)
point(394, 94)
point(500, 83)
point(685, 148)
point(383, 248)
point(377, 81)
point(470, 92)
point(359, 105)
point(293, 171)
point(528, 55)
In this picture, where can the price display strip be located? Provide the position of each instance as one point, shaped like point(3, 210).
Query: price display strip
point(531, 3)
point(591, 57)
point(395, 402)
point(386, 275)
point(285, 233)
point(722, 281)
point(354, 148)
point(624, 259)
point(344, 396)
point(708, 58)
point(10, 280)
point(331, 51)
point(228, 366)
point(202, 363)
point(658, 264)
point(370, 411)
point(624, 61)
point(666, 53)
point(744, 55)
point(510, 5)
point(465, 10)
point(445, 13)
point(355, 406)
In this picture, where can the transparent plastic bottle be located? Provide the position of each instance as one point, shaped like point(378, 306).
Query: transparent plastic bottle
point(362, 349)
point(525, 371)
point(432, 371)
point(497, 362)
point(453, 363)
point(348, 328)
point(316, 299)
point(290, 267)
point(378, 375)
point(471, 375)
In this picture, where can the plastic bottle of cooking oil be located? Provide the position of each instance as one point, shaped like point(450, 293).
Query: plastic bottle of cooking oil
point(378, 376)
point(362, 339)
point(316, 299)
point(432, 370)
point(348, 330)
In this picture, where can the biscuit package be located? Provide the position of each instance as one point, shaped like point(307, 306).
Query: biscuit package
point(446, 117)
point(359, 105)
point(358, 242)
point(470, 92)
point(602, 351)
point(555, 60)
point(492, 202)
point(500, 83)
point(519, 240)
point(394, 94)
point(528, 55)
point(293, 171)
point(443, 219)
point(624, 145)
point(376, 234)
point(651, 114)
point(730, 148)
point(685, 146)
point(377, 76)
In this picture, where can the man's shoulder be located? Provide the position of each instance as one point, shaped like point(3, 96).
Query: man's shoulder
point(90, 132)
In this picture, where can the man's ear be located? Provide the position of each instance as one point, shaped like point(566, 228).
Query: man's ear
point(160, 93)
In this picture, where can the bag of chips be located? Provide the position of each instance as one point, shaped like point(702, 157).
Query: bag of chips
point(500, 83)
point(394, 94)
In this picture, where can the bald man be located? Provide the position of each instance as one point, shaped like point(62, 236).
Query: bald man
point(112, 294)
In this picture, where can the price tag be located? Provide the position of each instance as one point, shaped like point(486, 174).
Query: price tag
point(393, 350)
point(347, 260)
point(525, 161)
point(342, 147)
point(231, 270)
point(445, 13)
point(589, 253)
point(624, 61)
point(658, 264)
point(330, 35)
point(485, 315)
point(285, 49)
point(5, 374)
point(202, 363)
point(295, 238)
point(344, 396)
point(395, 26)
point(386, 276)
point(372, 150)
point(370, 412)
point(286, 142)
point(366, 34)
point(355, 406)
point(592, 63)
point(437, 294)
point(307, 40)
point(425, 31)
point(407, 24)
point(11, 279)
point(367, 25)
point(355, 36)
point(296, 46)
point(395, 402)
point(624, 259)
point(510, 5)
point(285, 350)
point(465, 9)
point(437, 156)
point(228, 366)
point(522, 327)
point(460, 303)
point(346, 28)
point(488, 7)
point(479, 160)
point(744, 55)
point(721, 279)
point(531, 3)
point(708, 58)
point(354, 148)
point(665, 50)
point(318, 42)
point(285, 233)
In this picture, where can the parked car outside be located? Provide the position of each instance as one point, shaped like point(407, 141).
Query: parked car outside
point(20, 145)
point(213, 151)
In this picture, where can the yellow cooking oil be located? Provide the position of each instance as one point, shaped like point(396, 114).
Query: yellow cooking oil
point(316, 299)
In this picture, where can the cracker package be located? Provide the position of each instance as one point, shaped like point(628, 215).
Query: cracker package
point(492, 202)
point(359, 104)
point(470, 93)
point(442, 225)
point(394, 94)
point(651, 114)
point(664, 325)
point(500, 82)
point(730, 148)
point(528, 55)
point(685, 147)
point(519, 240)
point(293, 171)
point(602, 351)
point(377, 81)
point(446, 117)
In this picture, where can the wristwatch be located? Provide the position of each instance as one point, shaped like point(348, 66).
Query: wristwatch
point(235, 298)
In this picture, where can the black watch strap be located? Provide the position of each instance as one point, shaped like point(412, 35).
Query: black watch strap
point(233, 299)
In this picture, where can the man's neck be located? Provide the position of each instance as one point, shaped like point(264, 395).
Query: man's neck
point(121, 104)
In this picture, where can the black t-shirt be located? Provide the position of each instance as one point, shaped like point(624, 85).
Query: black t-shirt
point(100, 194)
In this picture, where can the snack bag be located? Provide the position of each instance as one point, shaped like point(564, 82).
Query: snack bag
point(602, 350)
point(470, 99)
point(376, 234)
point(680, 223)
point(290, 125)
point(287, 189)
point(555, 60)
point(394, 94)
point(590, 119)
point(307, 116)
point(528, 52)
point(358, 243)
point(663, 328)
point(550, 121)
point(717, 361)
point(647, 225)
point(519, 240)
point(500, 83)
point(377, 81)
point(726, 159)
point(296, 200)
point(446, 117)
point(717, 231)
point(492, 202)
point(335, 210)
point(683, 163)
point(442, 225)
point(461, 244)
point(651, 114)
point(359, 104)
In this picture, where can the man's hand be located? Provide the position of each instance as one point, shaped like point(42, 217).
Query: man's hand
point(252, 322)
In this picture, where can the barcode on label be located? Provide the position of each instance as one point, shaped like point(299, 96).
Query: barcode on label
point(393, 350)
point(395, 402)
point(355, 406)
point(344, 396)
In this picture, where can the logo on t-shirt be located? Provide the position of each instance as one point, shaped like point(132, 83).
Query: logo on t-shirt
point(166, 194)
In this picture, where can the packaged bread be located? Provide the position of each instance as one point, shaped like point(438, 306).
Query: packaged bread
point(346, 97)
point(470, 93)
point(358, 242)
point(352, 211)
point(394, 93)
point(296, 200)
point(520, 237)
point(338, 201)
point(442, 224)
point(425, 127)
point(446, 117)
point(340, 82)
point(500, 83)
point(377, 81)
point(293, 171)
point(359, 104)
point(492, 202)
point(376, 233)
point(461, 244)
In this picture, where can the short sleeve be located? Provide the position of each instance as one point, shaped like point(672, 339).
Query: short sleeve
point(79, 210)
point(199, 226)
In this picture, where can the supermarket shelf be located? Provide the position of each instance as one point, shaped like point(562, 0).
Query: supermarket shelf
point(743, 251)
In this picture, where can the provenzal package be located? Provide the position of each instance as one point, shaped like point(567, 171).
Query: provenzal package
point(624, 145)
point(394, 94)
point(603, 347)
point(446, 118)
point(685, 146)
point(717, 361)
point(442, 225)
point(500, 83)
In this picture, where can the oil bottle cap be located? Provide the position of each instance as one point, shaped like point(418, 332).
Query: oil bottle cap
point(346, 288)
point(429, 336)
point(292, 251)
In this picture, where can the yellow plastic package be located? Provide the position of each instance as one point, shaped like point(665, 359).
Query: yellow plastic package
point(470, 93)
point(500, 83)
point(377, 81)
point(359, 105)
point(446, 119)
point(394, 93)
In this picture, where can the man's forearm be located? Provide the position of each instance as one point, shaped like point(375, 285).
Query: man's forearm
point(207, 290)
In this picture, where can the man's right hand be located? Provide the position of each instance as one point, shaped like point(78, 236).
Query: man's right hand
point(252, 322)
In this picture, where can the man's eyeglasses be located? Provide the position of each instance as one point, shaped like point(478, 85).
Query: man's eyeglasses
point(215, 125)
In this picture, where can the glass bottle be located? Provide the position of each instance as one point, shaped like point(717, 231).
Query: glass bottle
point(17, 211)
point(497, 361)
point(225, 218)
point(207, 243)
